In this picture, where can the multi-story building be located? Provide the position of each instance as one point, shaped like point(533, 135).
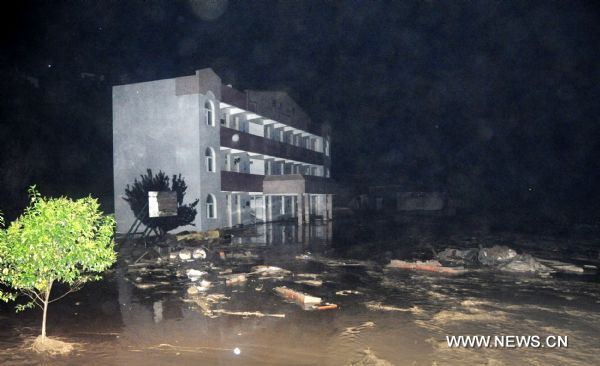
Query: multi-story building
point(252, 156)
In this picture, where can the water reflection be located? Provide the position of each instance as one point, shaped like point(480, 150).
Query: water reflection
point(315, 237)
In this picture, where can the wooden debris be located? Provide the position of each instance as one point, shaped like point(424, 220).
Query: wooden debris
point(202, 304)
point(326, 307)
point(200, 235)
point(428, 266)
point(312, 276)
point(270, 271)
point(313, 283)
point(140, 257)
point(348, 292)
point(235, 279)
point(298, 297)
point(248, 313)
point(561, 266)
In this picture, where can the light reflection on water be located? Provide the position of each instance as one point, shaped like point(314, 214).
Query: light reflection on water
point(401, 317)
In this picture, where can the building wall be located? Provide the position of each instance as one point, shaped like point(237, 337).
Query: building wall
point(210, 182)
point(153, 129)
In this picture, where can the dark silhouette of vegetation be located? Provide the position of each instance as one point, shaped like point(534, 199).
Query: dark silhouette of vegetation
point(137, 197)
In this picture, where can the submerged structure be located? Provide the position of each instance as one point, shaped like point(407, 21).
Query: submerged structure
point(251, 156)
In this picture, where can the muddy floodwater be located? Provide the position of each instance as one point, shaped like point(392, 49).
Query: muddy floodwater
point(144, 313)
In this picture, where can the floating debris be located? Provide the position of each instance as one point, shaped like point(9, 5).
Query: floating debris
point(428, 266)
point(204, 286)
point(199, 253)
point(200, 235)
point(185, 254)
point(561, 266)
point(235, 279)
point(348, 292)
point(192, 290)
point(145, 286)
point(524, 263)
point(313, 276)
point(270, 271)
point(495, 255)
point(377, 306)
point(194, 274)
point(326, 306)
point(313, 283)
point(358, 329)
point(298, 297)
point(248, 313)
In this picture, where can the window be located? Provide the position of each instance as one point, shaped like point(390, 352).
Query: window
point(326, 147)
point(209, 109)
point(224, 120)
point(209, 153)
point(211, 209)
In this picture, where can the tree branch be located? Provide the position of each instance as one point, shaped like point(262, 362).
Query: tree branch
point(77, 286)
point(33, 296)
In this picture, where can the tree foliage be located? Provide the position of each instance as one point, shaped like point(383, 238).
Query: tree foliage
point(55, 240)
point(137, 197)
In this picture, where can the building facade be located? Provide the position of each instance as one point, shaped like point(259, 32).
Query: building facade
point(251, 156)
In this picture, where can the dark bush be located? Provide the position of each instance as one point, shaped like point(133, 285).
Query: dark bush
point(137, 196)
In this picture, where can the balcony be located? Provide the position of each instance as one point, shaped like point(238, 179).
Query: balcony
point(264, 146)
point(275, 184)
point(241, 182)
point(296, 184)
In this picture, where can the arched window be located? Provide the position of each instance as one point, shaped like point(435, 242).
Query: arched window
point(211, 208)
point(209, 153)
point(209, 110)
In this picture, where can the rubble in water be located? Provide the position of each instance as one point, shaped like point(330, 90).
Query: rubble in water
point(503, 258)
point(495, 255)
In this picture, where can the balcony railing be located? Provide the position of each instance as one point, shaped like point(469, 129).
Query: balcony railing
point(264, 146)
point(241, 182)
point(275, 184)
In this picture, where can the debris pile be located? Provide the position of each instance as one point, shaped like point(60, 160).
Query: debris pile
point(503, 258)
point(496, 255)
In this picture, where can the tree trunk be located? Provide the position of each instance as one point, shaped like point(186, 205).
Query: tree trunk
point(46, 299)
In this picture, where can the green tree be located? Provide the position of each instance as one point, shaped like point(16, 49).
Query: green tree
point(55, 241)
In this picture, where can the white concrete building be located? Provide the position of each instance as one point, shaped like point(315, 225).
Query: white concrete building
point(251, 156)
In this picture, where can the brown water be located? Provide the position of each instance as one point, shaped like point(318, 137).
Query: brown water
point(397, 317)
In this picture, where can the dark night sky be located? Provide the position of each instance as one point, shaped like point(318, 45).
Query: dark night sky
point(495, 102)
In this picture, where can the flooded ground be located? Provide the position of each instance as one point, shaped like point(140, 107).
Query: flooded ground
point(144, 313)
